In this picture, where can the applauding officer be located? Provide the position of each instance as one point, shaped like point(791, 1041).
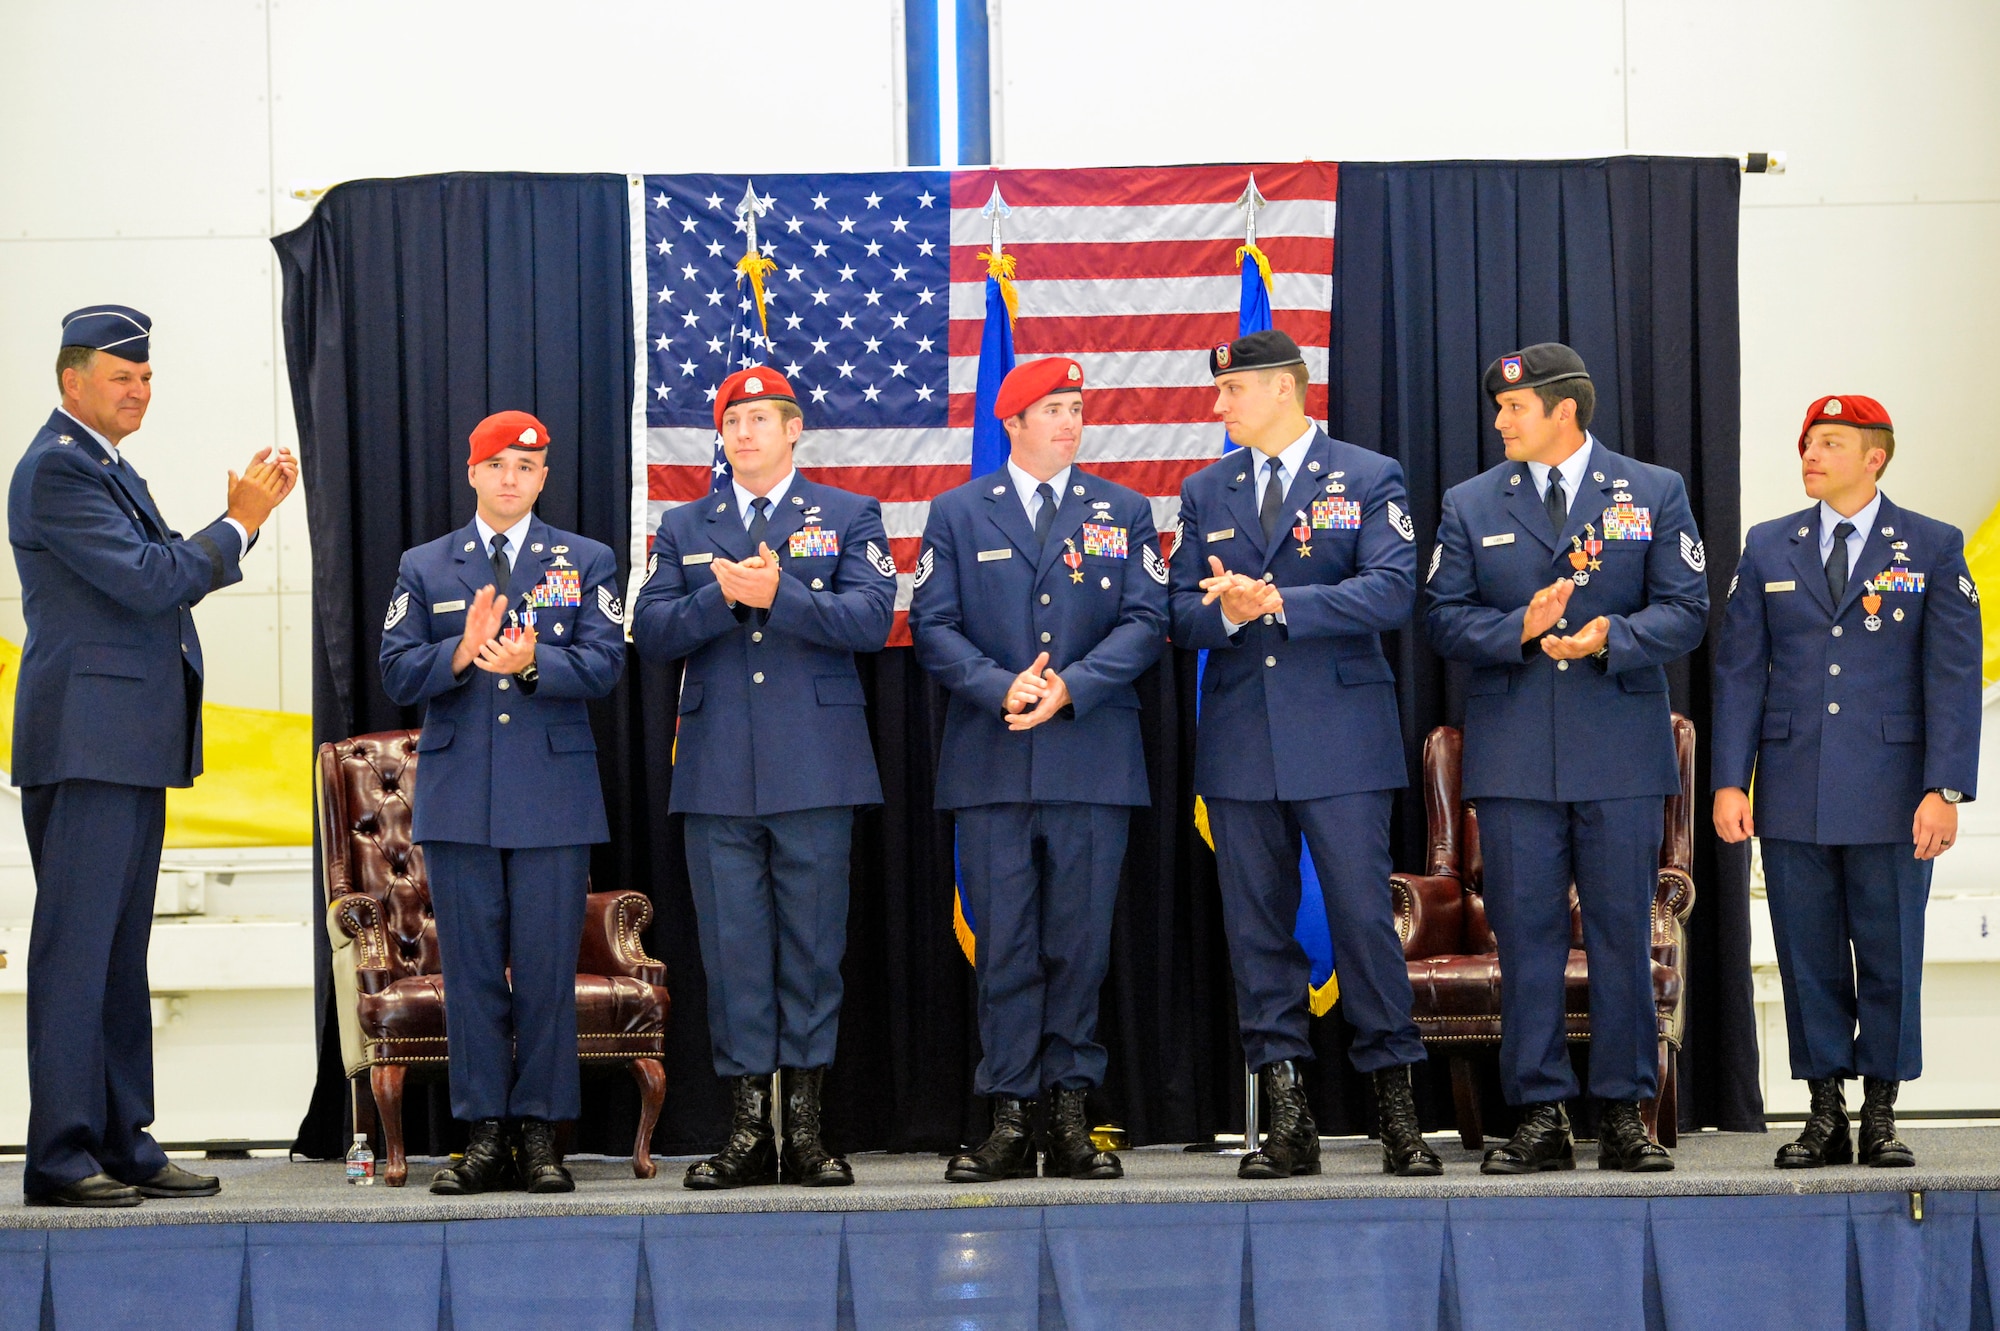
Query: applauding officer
point(768, 589)
point(107, 714)
point(1568, 577)
point(1040, 596)
point(1293, 556)
point(1847, 679)
point(503, 631)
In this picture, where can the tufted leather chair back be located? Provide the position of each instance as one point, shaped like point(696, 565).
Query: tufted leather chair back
point(366, 785)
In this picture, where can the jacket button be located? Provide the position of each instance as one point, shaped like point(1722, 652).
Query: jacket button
point(1270, 577)
point(819, 585)
point(1562, 623)
point(504, 718)
point(1836, 630)
point(1833, 708)
point(1045, 598)
point(757, 635)
point(1270, 660)
point(503, 685)
point(1270, 619)
point(1045, 637)
point(757, 678)
point(1562, 665)
point(1833, 669)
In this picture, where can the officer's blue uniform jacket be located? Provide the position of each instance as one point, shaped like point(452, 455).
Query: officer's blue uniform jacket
point(1574, 731)
point(1317, 684)
point(1846, 728)
point(772, 714)
point(110, 682)
point(989, 599)
point(501, 766)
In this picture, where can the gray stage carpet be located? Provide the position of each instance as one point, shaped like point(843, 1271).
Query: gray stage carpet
point(1708, 1164)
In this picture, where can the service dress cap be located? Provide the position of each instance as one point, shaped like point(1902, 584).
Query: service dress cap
point(503, 430)
point(1532, 367)
point(1031, 381)
point(1864, 413)
point(1266, 350)
point(118, 329)
point(756, 384)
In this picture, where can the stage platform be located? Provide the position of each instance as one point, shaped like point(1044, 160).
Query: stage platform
point(1724, 1241)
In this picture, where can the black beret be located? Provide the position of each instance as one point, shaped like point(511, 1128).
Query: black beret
point(118, 329)
point(1268, 350)
point(1531, 367)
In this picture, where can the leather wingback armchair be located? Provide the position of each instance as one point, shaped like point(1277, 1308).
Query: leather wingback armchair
point(389, 988)
point(1455, 965)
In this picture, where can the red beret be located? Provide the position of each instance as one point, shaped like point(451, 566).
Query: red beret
point(1031, 381)
point(752, 385)
point(1837, 409)
point(506, 429)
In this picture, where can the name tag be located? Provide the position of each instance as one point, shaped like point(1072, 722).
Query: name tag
point(1504, 538)
point(446, 607)
point(708, 558)
point(1225, 534)
point(988, 556)
point(1781, 586)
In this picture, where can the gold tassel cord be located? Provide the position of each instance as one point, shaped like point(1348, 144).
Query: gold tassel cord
point(1263, 264)
point(756, 267)
point(1000, 267)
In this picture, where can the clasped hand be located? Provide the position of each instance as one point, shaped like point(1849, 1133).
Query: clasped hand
point(1036, 694)
point(262, 487)
point(753, 582)
point(480, 645)
point(1243, 598)
point(1545, 611)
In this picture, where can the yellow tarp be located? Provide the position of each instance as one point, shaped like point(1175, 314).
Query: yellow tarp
point(1982, 552)
point(257, 789)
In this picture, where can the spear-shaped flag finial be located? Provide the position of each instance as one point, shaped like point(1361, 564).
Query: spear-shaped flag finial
point(1250, 201)
point(753, 264)
point(999, 264)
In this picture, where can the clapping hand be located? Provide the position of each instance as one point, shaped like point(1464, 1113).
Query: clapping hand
point(1243, 598)
point(753, 582)
point(482, 624)
point(1546, 608)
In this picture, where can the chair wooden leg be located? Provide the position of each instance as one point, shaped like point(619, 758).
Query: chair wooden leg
point(1465, 1103)
point(652, 1079)
point(386, 1081)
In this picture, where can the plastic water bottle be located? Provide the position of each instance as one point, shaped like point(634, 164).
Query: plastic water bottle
point(361, 1161)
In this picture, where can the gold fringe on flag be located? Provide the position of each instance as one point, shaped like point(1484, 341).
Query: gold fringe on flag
point(756, 267)
point(1001, 268)
point(1263, 264)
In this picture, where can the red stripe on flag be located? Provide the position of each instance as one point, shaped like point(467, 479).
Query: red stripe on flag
point(1194, 333)
point(1143, 406)
point(906, 549)
point(899, 632)
point(1146, 258)
point(1143, 186)
point(677, 482)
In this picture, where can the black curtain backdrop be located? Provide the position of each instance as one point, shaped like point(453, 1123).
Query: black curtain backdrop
point(414, 307)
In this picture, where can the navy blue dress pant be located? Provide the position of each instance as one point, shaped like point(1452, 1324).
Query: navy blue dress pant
point(1849, 922)
point(1257, 861)
point(770, 903)
point(513, 1049)
point(95, 847)
point(1042, 881)
point(1533, 850)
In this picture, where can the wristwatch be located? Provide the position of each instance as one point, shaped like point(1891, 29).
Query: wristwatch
point(529, 675)
point(1948, 795)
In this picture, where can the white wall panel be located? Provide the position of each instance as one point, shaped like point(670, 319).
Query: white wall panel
point(239, 650)
point(133, 118)
point(1100, 82)
point(1900, 303)
point(295, 652)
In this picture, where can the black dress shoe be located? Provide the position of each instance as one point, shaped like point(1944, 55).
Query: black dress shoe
point(1007, 1152)
point(1623, 1142)
point(1292, 1145)
point(539, 1163)
point(97, 1190)
point(487, 1165)
point(1879, 1144)
point(1403, 1149)
point(750, 1155)
point(1827, 1139)
point(1541, 1142)
point(173, 1181)
point(805, 1159)
point(1071, 1153)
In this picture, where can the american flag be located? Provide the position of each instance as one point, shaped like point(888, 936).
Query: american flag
point(877, 301)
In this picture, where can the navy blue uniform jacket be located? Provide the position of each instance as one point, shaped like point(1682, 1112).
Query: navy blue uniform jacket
point(501, 766)
point(989, 599)
point(772, 715)
point(1306, 708)
point(1845, 729)
point(1535, 728)
point(110, 683)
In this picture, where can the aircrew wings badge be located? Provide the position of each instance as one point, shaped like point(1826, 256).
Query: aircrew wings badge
point(926, 562)
point(401, 606)
point(884, 563)
point(1156, 567)
point(1692, 554)
point(608, 602)
point(1401, 521)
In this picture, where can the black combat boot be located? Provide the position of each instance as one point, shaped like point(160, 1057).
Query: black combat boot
point(487, 1165)
point(1007, 1152)
point(1826, 1139)
point(1879, 1146)
point(1403, 1148)
point(1071, 1152)
point(806, 1160)
point(751, 1154)
point(1541, 1142)
point(1292, 1145)
point(540, 1162)
point(1623, 1142)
